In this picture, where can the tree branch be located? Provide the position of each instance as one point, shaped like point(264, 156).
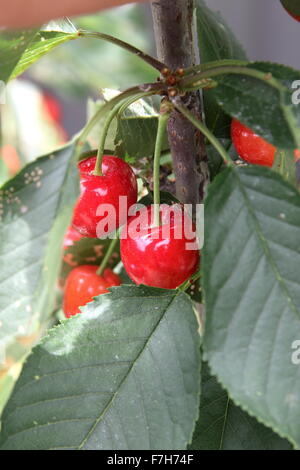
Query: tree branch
point(177, 47)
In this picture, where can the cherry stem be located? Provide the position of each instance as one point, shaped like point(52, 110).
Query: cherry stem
point(121, 106)
point(155, 88)
point(108, 254)
point(213, 64)
point(191, 81)
point(156, 64)
point(161, 132)
point(205, 131)
point(187, 284)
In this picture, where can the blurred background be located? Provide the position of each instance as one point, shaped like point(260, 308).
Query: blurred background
point(48, 104)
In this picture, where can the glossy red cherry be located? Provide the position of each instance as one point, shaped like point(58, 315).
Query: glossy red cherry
point(82, 284)
point(160, 256)
point(251, 147)
point(118, 179)
point(71, 236)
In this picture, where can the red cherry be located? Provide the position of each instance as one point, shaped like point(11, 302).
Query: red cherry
point(71, 236)
point(52, 107)
point(296, 17)
point(251, 147)
point(159, 256)
point(82, 284)
point(117, 180)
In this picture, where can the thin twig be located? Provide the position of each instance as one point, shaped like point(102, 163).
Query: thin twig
point(124, 45)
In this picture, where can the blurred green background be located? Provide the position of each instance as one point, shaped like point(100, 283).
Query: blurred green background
point(48, 104)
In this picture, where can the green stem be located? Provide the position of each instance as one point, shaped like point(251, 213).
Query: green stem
point(118, 109)
point(213, 64)
point(192, 81)
point(128, 47)
point(104, 109)
point(104, 132)
point(205, 131)
point(161, 131)
point(108, 254)
point(187, 284)
point(80, 139)
point(130, 101)
point(151, 88)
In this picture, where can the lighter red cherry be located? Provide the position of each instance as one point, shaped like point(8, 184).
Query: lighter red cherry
point(251, 147)
point(82, 284)
point(101, 192)
point(52, 107)
point(164, 256)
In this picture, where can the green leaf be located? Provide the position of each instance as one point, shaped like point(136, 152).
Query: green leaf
point(251, 280)
point(12, 47)
point(291, 6)
point(19, 50)
point(4, 171)
point(137, 129)
point(132, 135)
point(92, 107)
point(123, 375)
point(224, 426)
point(215, 161)
point(35, 209)
point(260, 105)
point(165, 198)
point(42, 43)
point(285, 165)
point(216, 42)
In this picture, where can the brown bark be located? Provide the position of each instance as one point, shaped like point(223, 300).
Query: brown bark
point(176, 43)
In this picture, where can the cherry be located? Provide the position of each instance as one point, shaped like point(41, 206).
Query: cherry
point(251, 147)
point(117, 180)
point(285, 4)
point(296, 17)
point(52, 107)
point(71, 236)
point(82, 284)
point(157, 256)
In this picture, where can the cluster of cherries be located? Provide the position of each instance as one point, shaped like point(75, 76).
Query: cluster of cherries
point(149, 257)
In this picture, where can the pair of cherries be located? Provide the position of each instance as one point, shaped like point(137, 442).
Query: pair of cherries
point(150, 257)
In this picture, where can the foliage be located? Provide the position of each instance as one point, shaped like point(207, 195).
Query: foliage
point(127, 372)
